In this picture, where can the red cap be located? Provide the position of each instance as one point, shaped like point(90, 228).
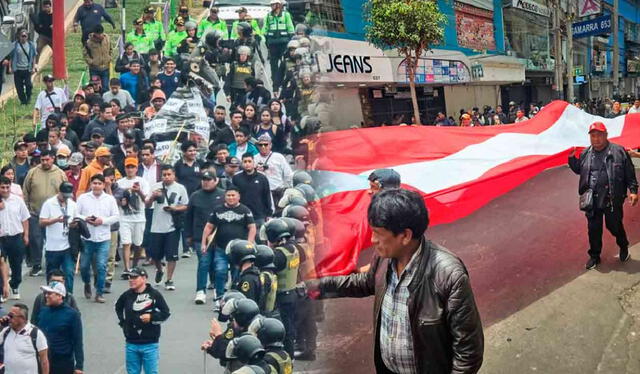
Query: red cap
point(597, 126)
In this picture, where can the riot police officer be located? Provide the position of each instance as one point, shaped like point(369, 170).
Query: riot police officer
point(287, 261)
point(268, 280)
point(248, 350)
point(271, 333)
point(242, 254)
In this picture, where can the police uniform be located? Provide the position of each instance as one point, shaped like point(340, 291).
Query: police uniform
point(280, 360)
point(142, 43)
point(249, 284)
point(287, 262)
point(269, 282)
point(305, 322)
point(277, 31)
point(219, 348)
point(234, 85)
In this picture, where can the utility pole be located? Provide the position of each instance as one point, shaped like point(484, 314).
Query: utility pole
point(569, 23)
point(557, 41)
point(616, 47)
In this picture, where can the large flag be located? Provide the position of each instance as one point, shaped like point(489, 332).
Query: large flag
point(457, 170)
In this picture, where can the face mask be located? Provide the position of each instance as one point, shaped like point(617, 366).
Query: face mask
point(62, 162)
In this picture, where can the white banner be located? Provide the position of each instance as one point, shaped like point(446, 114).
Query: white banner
point(531, 6)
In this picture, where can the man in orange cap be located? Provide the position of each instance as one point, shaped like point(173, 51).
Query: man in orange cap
point(606, 173)
point(101, 161)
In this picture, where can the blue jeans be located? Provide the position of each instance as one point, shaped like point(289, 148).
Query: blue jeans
point(221, 268)
point(142, 355)
point(205, 267)
point(101, 251)
point(64, 261)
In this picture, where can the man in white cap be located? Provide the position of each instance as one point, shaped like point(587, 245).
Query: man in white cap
point(62, 324)
point(275, 166)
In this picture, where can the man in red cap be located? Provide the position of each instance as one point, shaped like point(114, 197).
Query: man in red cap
point(606, 173)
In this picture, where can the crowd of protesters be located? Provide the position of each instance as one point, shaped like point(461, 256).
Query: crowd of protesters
point(85, 191)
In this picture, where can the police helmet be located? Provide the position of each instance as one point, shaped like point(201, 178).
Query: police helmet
point(245, 29)
point(301, 176)
point(246, 348)
point(244, 50)
point(270, 331)
point(264, 257)
point(308, 191)
point(304, 42)
point(190, 25)
point(297, 201)
point(300, 52)
point(298, 212)
point(212, 38)
point(276, 229)
point(295, 226)
point(244, 311)
point(293, 44)
point(240, 251)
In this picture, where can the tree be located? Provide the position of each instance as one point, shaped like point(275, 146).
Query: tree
point(410, 26)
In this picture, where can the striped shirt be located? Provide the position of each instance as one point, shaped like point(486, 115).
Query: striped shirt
point(396, 342)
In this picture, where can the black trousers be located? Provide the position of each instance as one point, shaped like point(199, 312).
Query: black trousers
point(276, 51)
point(306, 328)
point(13, 250)
point(22, 81)
point(286, 303)
point(613, 222)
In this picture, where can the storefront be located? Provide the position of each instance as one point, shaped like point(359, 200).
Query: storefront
point(527, 27)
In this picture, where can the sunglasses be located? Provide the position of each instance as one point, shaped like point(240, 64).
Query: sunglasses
point(263, 144)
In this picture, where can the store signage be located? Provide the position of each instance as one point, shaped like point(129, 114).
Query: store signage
point(596, 26)
point(589, 7)
point(531, 6)
point(347, 64)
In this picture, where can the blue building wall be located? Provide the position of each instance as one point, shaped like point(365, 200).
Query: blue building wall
point(354, 25)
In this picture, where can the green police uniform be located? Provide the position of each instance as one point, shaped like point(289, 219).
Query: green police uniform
point(254, 26)
point(206, 25)
point(280, 361)
point(288, 277)
point(141, 43)
point(173, 41)
point(155, 30)
point(278, 29)
point(172, 25)
point(269, 283)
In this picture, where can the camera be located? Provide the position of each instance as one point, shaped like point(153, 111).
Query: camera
point(263, 166)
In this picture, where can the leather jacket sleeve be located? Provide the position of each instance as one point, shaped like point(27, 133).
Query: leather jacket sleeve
point(465, 325)
point(630, 175)
point(352, 285)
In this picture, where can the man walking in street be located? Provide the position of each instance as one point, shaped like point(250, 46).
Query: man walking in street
point(41, 183)
point(40, 301)
point(24, 346)
point(97, 55)
point(254, 190)
point(23, 58)
point(43, 25)
point(56, 215)
point(88, 16)
point(100, 211)
point(274, 166)
point(233, 220)
point(606, 173)
point(49, 101)
point(169, 201)
point(411, 273)
point(140, 310)
point(132, 214)
point(101, 161)
point(188, 174)
point(14, 232)
point(201, 204)
point(62, 327)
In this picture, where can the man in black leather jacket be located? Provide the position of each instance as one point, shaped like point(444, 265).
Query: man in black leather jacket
point(426, 320)
point(605, 169)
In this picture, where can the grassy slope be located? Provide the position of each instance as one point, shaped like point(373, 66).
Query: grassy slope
point(16, 119)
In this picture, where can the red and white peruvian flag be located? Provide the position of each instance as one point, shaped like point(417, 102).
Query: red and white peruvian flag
point(456, 169)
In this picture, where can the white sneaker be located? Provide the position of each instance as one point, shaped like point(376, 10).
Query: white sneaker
point(15, 294)
point(201, 298)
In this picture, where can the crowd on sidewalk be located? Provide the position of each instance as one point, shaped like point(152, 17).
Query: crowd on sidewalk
point(85, 191)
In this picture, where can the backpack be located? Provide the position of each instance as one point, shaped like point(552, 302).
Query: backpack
point(34, 337)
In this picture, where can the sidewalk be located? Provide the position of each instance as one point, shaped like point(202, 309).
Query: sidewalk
point(590, 325)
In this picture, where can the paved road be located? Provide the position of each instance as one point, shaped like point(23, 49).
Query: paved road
point(518, 249)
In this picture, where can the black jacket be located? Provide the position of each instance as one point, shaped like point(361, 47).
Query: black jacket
point(255, 193)
point(445, 323)
point(249, 284)
point(130, 306)
point(201, 204)
point(43, 23)
point(621, 173)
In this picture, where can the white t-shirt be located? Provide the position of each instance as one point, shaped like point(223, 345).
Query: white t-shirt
point(19, 355)
point(11, 217)
point(126, 184)
point(57, 236)
point(162, 221)
point(43, 104)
